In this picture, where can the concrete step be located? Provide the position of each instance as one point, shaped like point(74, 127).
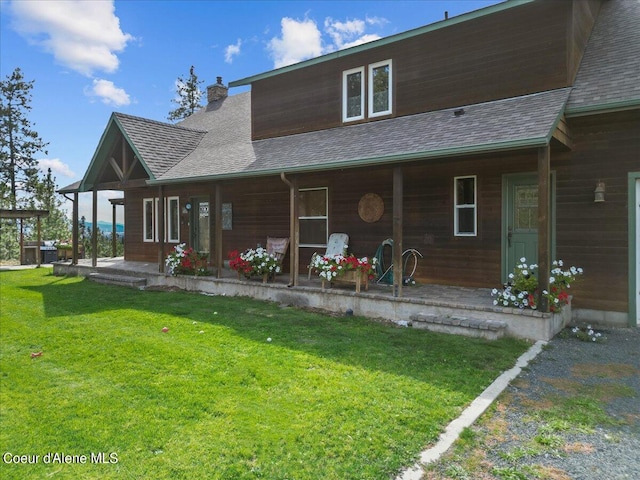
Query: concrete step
point(121, 280)
point(459, 325)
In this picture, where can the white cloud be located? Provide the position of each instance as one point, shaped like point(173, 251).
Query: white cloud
point(232, 51)
point(360, 40)
point(376, 21)
point(350, 33)
point(340, 32)
point(108, 93)
point(300, 40)
point(57, 167)
point(82, 35)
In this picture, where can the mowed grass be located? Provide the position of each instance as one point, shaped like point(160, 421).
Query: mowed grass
point(327, 398)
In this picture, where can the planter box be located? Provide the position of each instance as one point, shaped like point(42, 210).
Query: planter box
point(352, 277)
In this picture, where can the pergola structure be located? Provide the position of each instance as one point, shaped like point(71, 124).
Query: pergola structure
point(21, 214)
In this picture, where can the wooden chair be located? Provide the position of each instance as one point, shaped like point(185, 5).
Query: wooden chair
point(337, 245)
point(278, 247)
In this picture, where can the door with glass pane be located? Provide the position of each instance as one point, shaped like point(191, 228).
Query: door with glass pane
point(200, 224)
point(521, 221)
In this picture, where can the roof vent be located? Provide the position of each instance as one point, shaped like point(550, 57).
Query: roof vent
point(459, 112)
point(217, 91)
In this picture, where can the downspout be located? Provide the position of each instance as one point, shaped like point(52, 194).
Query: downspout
point(294, 231)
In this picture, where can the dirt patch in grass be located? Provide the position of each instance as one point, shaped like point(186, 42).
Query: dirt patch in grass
point(563, 384)
point(578, 447)
point(609, 370)
point(551, 473)
point(532, 404)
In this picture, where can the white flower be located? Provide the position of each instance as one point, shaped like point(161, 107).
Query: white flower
point(525, 272)
point(523, 259)
point(552, 279)
point(494, 291)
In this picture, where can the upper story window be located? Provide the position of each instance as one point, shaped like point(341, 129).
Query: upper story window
point(378, 96)
point(353, 95)
point(380, 88)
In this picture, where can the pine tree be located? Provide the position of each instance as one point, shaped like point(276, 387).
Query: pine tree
point(189, 95)
point(18, 141)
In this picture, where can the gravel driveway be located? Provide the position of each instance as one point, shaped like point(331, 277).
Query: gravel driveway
point(573, 413)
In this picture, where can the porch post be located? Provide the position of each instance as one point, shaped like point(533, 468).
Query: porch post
point(397, 231)
point(22, 260)
point(39, 239)
point(160, 221)
point(294, 229)
point(74, 234)
point(94, 230)
point(114, 248)
point(544, 216)
point(217, 242)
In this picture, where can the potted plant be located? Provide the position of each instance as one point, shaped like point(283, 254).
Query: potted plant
point(254, 262)
point(345, 268)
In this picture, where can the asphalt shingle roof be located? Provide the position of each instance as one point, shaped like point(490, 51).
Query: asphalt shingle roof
point(227, 151)
point(609, 73)
point(160, 145)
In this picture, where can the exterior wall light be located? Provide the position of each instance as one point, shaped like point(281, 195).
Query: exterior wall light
point(599, 192)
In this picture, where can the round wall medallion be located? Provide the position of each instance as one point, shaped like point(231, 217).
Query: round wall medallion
point(370, 207)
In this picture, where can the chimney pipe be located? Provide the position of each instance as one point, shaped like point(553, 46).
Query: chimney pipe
point(446, 15)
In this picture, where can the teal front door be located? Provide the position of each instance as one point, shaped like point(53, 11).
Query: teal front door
point(520, 221)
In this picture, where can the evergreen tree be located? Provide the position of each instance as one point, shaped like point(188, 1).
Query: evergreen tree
point(189, 95)
point(18, 141)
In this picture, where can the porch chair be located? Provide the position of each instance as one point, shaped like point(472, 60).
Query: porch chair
point(337, 245)
point(277, 247)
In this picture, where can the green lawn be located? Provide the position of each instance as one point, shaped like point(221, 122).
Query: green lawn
point(327, 398)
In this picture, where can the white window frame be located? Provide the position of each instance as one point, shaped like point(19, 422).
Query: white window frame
point(145, 232)
point(155, 217)
point(325, 216)
point(373, 114)
point(345, 100)
point(457, 207)
point(169, 220)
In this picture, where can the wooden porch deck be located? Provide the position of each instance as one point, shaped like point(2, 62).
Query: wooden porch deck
point(449, 309)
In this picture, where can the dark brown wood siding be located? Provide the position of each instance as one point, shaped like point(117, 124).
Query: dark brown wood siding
point(582, 21)
point(595, 235)
point(514, 52)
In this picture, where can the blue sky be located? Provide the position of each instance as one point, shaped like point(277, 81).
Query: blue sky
point(89, 58)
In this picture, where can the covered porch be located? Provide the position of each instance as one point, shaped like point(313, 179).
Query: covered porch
point(441, 308)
